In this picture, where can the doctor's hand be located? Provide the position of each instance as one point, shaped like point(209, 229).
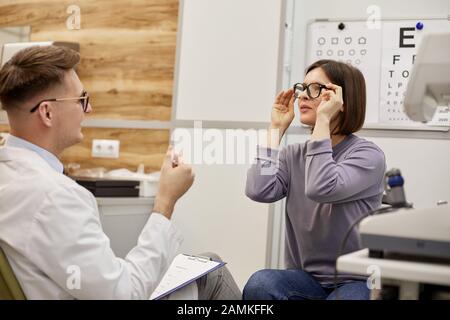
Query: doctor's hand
point(175, 180)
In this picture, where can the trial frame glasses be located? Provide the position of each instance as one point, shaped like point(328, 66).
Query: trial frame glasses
point(300, 87)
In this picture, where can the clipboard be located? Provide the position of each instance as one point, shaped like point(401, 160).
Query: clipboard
point(184, 270)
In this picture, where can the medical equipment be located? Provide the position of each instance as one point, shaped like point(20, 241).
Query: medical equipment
point(429, 85)
point(420, 233)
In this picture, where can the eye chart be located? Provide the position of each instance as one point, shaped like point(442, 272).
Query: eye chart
point(385, 55)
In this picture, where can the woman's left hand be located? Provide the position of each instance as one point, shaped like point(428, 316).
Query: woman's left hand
point(332, 102)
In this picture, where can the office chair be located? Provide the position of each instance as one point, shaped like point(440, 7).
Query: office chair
point(9, 286)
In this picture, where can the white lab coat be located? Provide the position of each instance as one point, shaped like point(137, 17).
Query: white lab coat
point(50, 232)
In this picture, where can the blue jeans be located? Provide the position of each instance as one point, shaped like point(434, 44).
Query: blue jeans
point(295, 284)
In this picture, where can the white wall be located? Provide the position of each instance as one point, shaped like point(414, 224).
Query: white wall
point(228, 62)
point(215, 215)
point(228, 59)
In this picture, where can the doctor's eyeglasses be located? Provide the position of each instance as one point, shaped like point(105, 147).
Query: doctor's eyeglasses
point(313, 90)
point(83, 100)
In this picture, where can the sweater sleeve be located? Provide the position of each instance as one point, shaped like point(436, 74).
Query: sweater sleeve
point(328, 181)
point(268, 177)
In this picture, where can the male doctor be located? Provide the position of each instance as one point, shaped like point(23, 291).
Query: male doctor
point(49, 225)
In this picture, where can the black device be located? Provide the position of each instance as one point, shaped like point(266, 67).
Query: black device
point(110, 188)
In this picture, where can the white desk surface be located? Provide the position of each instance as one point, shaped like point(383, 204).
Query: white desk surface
point(422, 272)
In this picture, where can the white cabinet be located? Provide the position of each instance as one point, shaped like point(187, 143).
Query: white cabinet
point(123, 220)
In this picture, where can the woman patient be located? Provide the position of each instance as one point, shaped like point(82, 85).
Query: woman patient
point(329, 181)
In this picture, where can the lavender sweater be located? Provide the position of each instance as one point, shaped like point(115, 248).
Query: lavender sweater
point(326, 189)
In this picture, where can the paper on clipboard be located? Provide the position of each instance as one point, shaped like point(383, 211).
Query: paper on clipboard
point(183, 270)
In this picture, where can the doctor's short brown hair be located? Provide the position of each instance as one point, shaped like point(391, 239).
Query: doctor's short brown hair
point(353, 93)
point(33, 70)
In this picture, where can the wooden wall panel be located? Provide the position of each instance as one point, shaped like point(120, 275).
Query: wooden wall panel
point(136, 146)
point(127, 64)
point(127, 50)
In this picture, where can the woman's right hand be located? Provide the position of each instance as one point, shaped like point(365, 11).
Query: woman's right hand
point(283, 111)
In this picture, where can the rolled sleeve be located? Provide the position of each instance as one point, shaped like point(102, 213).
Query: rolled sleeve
point(268, 177)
